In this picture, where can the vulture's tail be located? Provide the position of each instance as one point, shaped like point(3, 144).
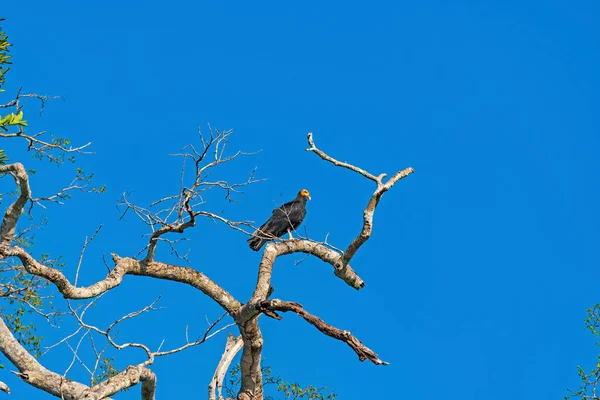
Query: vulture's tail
point(256, 243)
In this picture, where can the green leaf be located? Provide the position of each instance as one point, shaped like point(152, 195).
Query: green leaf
point(3, 158)
point(13, 119)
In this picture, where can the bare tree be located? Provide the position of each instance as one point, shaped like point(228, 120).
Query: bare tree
point(168, 219)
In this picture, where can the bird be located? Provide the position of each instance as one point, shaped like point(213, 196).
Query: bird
point(284, 219)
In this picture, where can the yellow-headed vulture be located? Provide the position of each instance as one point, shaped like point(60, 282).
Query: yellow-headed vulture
point(286, 218)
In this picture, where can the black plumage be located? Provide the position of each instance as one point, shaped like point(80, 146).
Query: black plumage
point(284, 219)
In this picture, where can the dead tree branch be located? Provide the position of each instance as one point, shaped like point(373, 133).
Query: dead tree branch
point(365, 233)
point(85, 245)
point(179, 211)
point(125, 266)
point(80, 183)
point(363, 352)
point(232, 347)
point(133, 374)
point(337, 163)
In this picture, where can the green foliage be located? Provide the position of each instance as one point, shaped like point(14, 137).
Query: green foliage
point(4, 57)
point(58, 158)
point(24, 332)
point(284, 390)
point(24, 297)
point(23, 292)
point(591, 378)
point(106, 370)
point(85, 178)
point(10, 119)
point(592, 319)
point(3, 158)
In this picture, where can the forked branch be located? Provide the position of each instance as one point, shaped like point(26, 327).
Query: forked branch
point(382, 187)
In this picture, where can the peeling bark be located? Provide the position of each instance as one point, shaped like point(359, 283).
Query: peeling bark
point(252, 388)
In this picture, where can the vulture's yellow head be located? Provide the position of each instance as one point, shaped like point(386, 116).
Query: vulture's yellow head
point(304, 193)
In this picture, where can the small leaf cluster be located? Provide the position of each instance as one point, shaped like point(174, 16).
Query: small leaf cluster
point(591, 378)
point(10, 119)
point(4, 57)
point(22, 294)
point(285, 390)
point(88, 178)
point(106, 370)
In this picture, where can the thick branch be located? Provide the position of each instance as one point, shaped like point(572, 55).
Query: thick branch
point(9, 223)
point(250, 365)
point(363, 352)
point(232, 347)
point(126, 266)
point(276, 249)
point(126, 379)
point(32, 372)
point(148, 379)
point(246, 318)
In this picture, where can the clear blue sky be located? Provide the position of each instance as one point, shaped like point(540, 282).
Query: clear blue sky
point(481, 264)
